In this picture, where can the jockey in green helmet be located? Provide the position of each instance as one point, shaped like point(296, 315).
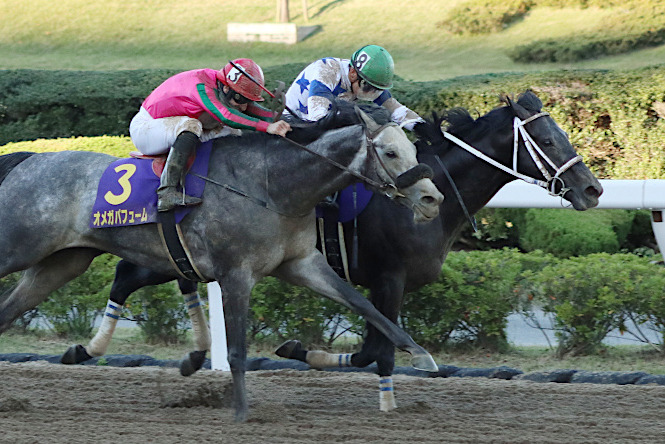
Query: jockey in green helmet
point(374, 65)
point(367, 76)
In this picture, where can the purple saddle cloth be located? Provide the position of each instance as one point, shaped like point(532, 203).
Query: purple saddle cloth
point(348, 209)
point(127, 191)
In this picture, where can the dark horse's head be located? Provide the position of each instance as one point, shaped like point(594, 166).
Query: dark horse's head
point(556, 165)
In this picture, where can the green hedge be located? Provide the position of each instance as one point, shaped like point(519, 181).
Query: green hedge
point(634, 25)
point(474, 17)
point(71, 310)
point(469, 302)
point(38, 104)
point(565, 235)
point(592, 295)
point(48, 104)
point(615, 119)
point(587, 297)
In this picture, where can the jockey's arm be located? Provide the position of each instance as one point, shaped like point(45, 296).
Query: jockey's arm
point(228, 115)
point(400, 113)
point(260, 112)
point(318, 107)
point(279, 127)
point(321, 89)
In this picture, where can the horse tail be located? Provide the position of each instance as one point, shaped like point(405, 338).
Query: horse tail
point(9, 161)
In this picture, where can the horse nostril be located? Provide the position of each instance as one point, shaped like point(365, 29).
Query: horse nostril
point(593, 191)
point(431, 200)
point(428, 200)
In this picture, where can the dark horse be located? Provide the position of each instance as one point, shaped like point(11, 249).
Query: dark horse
point(48, 199)
point(396, 255)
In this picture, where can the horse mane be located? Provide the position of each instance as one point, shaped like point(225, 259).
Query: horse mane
point(9, 161)
point(342, 113)
point(462, 124)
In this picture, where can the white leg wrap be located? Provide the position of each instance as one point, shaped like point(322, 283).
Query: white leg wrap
point(98, 344)
point(386, 394)
point(199, 322)
point(321, 359)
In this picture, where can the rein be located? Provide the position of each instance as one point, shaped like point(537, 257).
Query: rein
point(259, 202)
point(389, 187)
point(534, 151)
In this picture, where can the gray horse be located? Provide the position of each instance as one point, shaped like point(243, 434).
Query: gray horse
point(48, 199)
point(396, 255)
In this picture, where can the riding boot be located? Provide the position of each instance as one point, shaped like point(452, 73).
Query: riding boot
point(168, 196)
point(331, 234)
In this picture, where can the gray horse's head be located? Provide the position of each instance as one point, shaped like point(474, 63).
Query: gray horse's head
point(396, 164)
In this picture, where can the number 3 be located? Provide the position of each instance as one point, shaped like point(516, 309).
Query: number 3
point(117, 199)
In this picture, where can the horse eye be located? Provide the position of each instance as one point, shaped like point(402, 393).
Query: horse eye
point(391, 154)
point(547, 142)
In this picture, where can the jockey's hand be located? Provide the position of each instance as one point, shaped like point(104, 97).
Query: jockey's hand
point(280, 128)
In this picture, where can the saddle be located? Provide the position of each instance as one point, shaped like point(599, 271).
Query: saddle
point(169, 229)
point(159, 160)
point(344, 206)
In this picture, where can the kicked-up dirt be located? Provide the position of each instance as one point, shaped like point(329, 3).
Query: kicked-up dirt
point(49, 403)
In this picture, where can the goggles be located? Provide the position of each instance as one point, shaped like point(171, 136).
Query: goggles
point(237, 97)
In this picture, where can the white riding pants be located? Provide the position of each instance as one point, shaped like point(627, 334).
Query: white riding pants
point(156, 136)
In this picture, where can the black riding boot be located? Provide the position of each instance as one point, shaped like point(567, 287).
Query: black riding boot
point(331, 234)
point(168, 196)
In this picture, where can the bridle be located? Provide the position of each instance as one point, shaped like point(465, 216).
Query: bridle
point(536, 153)
point(389, 185)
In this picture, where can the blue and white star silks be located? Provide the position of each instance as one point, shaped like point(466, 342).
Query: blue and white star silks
point(311, 93)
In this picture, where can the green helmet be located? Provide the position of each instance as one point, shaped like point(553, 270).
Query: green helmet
point(374, 65)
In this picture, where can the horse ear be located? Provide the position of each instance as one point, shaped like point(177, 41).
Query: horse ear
point(505, 98)
point(368, 121)
point(518, 109)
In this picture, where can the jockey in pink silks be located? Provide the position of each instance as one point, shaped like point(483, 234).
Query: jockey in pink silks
point(199, 105)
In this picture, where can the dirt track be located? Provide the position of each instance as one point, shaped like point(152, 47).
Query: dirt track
point(47, 403)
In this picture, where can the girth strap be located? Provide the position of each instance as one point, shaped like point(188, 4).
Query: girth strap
point(174, 242)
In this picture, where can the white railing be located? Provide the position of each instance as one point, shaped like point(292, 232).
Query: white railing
point(646, 194)
point(618, 194)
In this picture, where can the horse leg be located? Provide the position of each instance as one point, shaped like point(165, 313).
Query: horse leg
point(313, 272)
point(236, 288)
point(193, 361)
point(386, 295)
point(128, 278)
point(41, 279)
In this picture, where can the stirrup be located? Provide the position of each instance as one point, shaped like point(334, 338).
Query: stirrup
point(173, 199)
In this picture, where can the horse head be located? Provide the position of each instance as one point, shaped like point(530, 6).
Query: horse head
point(393, 164)
point(544, 151)
point(518, 139)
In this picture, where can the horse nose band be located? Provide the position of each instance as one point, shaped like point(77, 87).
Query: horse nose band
point(537, 154)
point(392, 185)
point(550, 183)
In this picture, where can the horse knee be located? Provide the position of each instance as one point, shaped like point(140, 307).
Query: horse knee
point(237, 361)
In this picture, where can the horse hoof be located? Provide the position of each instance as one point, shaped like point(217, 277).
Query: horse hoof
point(75, 355)
point(240, 415)
point(424, 362)
point(192, 362)
point(287, 349)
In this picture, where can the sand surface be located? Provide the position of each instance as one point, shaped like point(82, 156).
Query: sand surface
point(49, 403)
